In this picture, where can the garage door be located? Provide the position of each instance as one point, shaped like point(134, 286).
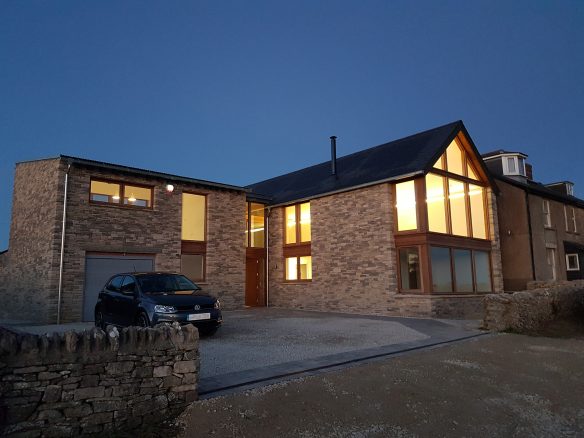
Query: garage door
point(99, 268)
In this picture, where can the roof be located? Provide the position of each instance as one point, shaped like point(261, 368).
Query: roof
point(395, 160)
point(498, 152)
point(149, 173)
point(541, 190)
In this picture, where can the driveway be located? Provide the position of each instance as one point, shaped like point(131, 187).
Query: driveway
point(260, 344)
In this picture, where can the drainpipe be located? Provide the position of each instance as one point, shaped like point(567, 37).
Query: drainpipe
point(62, 244)
point(267, 231)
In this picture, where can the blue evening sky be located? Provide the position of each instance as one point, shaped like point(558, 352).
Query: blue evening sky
point(240, 91)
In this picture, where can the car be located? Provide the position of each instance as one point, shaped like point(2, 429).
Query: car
point(149, 298)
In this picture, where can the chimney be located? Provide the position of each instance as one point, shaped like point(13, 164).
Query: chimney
point(529, 171)
point(333, 155)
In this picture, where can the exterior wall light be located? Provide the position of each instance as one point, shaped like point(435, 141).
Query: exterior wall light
point(169, 188)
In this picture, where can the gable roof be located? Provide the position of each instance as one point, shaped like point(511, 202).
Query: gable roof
point(539, 189)
point(398, 159)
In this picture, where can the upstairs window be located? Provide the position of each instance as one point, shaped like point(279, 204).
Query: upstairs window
point(193, 217)
point(572, 262)
point(255, 225)
point(514, 165)
point(547, 217)
point(298, 223)
point(405, 196)
point(115, 193)
point(297, 238)
point(570, 218)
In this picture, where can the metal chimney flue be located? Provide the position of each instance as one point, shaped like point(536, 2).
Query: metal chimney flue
point(333, 155)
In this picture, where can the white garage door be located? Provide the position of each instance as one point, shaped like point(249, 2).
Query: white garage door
point(99, 268)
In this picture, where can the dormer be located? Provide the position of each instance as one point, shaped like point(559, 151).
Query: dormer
point(563, 187)
point(509, 164)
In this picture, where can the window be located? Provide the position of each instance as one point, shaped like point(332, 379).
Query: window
point(566, 218)
point(551, 261)
point(476, 194)
point(299, 268)
point(193, 266)
point(193, 217)
point(114, 193)
point(575, 228)
point(457, 199)
point(116, 283)
point(514, 165)
point(570, 189)
point(409, 268)
point(454, 158)
point(405, 194)
point(255, 225)
point(547, 217)
point(298, 231)
point(128, 285)
point(297, 238)
point(435, 201)
point(572, 262)
point(193, 235)
point(460, 270)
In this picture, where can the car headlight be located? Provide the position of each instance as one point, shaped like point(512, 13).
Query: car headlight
point(217, 304)
point(164, 309)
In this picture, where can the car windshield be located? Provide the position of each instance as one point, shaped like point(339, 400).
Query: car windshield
point(166, 283)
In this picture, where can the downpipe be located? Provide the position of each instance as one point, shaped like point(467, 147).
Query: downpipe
point(60, 290)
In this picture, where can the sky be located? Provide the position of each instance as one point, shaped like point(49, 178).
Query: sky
point(241, 91)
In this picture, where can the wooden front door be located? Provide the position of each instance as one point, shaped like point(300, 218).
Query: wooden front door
point(255, 280)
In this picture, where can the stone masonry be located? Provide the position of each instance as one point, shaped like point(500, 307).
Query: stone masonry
point(74, 384)
point(31, 272)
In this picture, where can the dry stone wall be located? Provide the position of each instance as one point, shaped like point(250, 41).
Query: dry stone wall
point(80, 383)
point(529, 310)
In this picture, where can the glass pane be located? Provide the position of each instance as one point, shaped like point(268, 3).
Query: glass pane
point(457, 207)
point(471, 172)
point(137, 196)
point(482, 271)
point(305, 222)
point(291, 224)
point(405, 194)
point(477, 211)
point(292, 268)
point(511, 165)
point(440, 163)
point(436, 205)
point(409, 265)
point(521, 166)
point(463, 270)
point(105, 192)
point(192, 266)
point(257, 225)
point(454, 158)
point(247, 224)
point(441, 274)
point(306, 268)
point(193, 217)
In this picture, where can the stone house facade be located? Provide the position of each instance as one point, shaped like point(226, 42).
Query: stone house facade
point(406, 228)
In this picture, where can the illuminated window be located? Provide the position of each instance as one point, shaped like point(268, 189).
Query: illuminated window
point(299, 268)
point(298, 231)
point(105, 192)
point(405, 194)
point(471, 172)
point(457, 200)
point(193, 217)
point(454, 158)
point(255, 225)
point(436, 203)
point(476, 195)
point(409, 268)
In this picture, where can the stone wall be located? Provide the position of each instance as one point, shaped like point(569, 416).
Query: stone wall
point(78, 383)
point(29, 278)
point(530, 310)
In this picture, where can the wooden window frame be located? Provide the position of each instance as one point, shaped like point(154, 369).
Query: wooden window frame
point(298, 249)
point(298, 279)
point(297, 225)
point(248, 227)
point(421, 258)
point(122, 185)
point(196, 247)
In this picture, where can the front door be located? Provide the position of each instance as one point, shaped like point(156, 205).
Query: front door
point(255, 281)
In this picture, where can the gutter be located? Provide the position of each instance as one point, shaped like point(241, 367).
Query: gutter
point(60, 291)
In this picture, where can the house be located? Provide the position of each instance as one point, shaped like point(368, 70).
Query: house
point(541, 225)
point(404, 228)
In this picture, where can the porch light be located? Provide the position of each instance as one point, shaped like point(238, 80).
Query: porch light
point(169, 188)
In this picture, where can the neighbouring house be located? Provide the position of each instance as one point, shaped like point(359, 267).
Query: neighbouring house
point(541, 225)
point(405, 228)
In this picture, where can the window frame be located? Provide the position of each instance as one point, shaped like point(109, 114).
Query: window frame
point(248, 226)
point(568, 256)
point(196, 247)
point(297, 249)
point(298, 279)
point(297, 224)
point(122, 185)
point(421, 266)
point(547, 214)
point(574, 223)
point(516, 160)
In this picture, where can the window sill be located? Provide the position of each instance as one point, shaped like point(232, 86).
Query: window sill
point(121, 207)
point(297, 281)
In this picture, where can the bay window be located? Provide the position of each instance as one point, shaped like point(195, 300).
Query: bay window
point(460, 270)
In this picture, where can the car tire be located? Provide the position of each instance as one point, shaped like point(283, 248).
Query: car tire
point(142, 320)
point(99, 321)
point(208, 331)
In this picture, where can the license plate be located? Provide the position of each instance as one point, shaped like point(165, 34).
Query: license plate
point(199, 316)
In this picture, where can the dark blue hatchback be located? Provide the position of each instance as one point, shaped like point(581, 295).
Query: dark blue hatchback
point(149, 298)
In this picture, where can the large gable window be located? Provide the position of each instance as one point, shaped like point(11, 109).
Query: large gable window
point(116, 193)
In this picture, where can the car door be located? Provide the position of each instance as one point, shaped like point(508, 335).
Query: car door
point(110, 293)
point(127, 301)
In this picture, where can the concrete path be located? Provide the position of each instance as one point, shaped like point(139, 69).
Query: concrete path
point(260, 345)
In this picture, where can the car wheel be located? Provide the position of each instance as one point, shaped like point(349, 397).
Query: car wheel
point(99, 321)
point(207, 331)
point(142, 320)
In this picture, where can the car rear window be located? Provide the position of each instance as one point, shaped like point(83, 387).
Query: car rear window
point(165, 283)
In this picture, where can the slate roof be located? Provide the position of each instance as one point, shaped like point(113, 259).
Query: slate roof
point(390, 161)
point(541, 190)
